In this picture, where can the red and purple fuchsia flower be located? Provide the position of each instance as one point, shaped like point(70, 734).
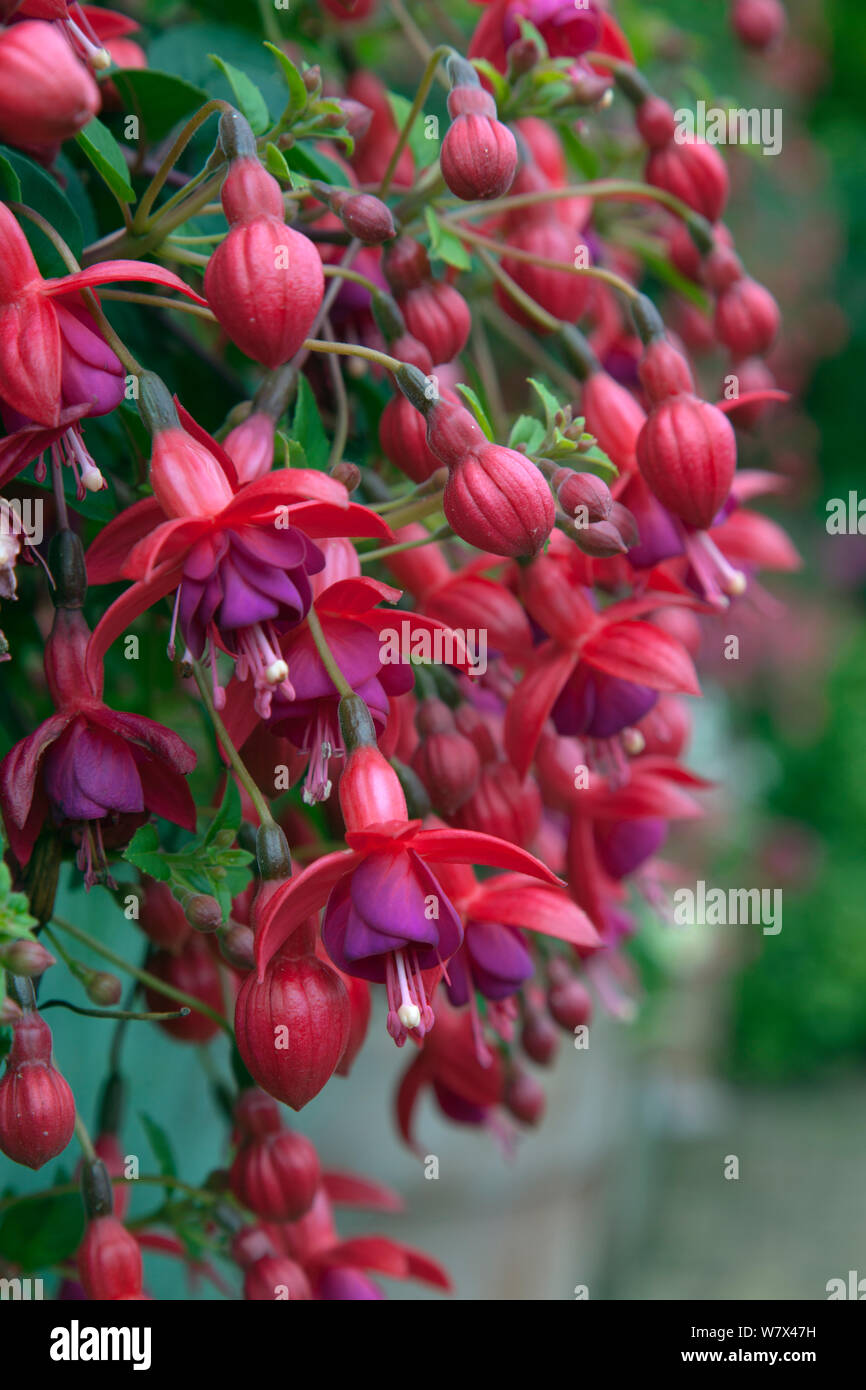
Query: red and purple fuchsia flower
point(467, 817)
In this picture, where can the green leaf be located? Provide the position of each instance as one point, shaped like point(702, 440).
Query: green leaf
point(6, 1034)
point(9, 181)
point(309, 161)
point(308, 429)
point(41, 192)
point(144, 852)
point(424, 149)
point(101, 148)
point(42, 1232)
point(229, 815)
point(275, 163)
point(444, 245)
point(294, 82)
point(159, 100)
point(548, 400)
point(527, 431)
point(247, 94)
point(160, 1144)
point(477, 409)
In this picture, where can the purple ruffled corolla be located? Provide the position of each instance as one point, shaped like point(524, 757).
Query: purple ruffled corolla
point(387, 922)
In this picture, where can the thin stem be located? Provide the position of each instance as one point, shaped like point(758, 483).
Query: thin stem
point(514, 253)
point(113, 1013)
point(328, 659)
point(171, 252)
point(160, 301)
point(416, 511)
point(487, 371)
point(144, 976)
point(594, 188)
point(239, 767)
point(85, 1140)
point(526, 344)
point(341, 423)
point(148, 198)
point(59, 494)
point(423, 88)
point(520, 297)
point(413, 34)
point(343, 272)
point(353, 350)
point(60, 246)
point(439, 535)
point(64, 1189)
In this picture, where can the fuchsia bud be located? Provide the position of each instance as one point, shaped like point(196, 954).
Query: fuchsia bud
point(109, 1262)
point(539, 1037)
point(569, 1001)
point(497, 500)
point(525, 1097)
point(686, 450)
point(264, 282)
point(186, 478)
point(435, 312)
point(655, 121)
point(747, 318)
point(276, 1277)
point(583, 496)
point(25, 957)
point(694, 172)
point(446, 760)
point(292, 1026)
point(364, 215)
point(479, 153)
point(370, 791)
point(46, 94)
point(250, 446)
point(758, 23)
point(37, 1109)
point(275, 1172)
point(194, 971)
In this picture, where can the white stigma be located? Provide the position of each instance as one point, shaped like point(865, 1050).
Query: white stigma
point(276, 673)
point(737, 584)
point(409, 1015)
point(92, 479)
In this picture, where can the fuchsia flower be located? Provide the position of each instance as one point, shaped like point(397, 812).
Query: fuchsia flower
point(387, 919)
point(238, 558)
point(54, 365)
point(90, 768)
point(597, 672)
point(354, 628)
point(338, 1270)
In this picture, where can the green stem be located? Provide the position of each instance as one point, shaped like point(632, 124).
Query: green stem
point(352, 350)
point(113, 1013)
point(385, 550)
point(148, 198)
point(416, 511)
point(520, 297)
point(514, 253)
point(85, 1140)
point(443, 51)
point(343, 272)
point(64, 1189)
point(596, 188)
point(328, 659)
point(160, 301)
point(238, 765)
point(144, 976)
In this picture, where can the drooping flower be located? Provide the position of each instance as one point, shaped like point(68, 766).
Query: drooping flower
point(239, 558)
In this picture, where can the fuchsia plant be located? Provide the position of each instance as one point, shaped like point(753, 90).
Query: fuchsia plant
point(538, 553)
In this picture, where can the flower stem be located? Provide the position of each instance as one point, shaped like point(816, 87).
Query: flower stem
point(239, 767)
point(514, 253)
point(341, 424)
point(329, 661)
point(352, 350)
point(148, 198)
point(423, 88)
point(439, 535)
point(85, 1140)
point(113, 1013)
point(144, 976)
